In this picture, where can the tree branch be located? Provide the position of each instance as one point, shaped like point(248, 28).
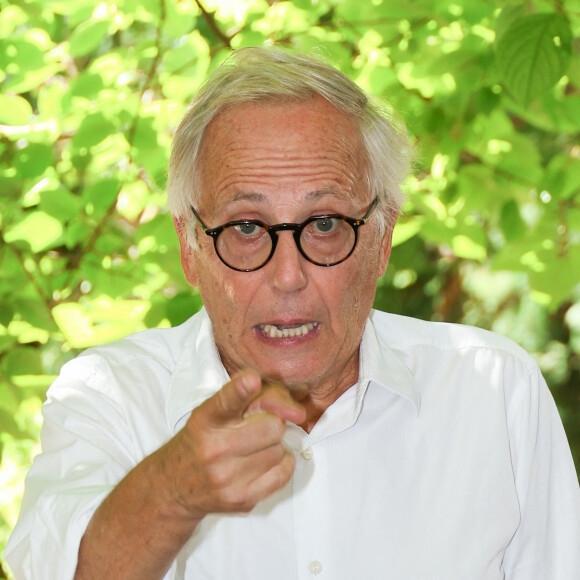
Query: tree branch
point(48, 303)
point(208, 17)
point(150, 74)
point(74, 264)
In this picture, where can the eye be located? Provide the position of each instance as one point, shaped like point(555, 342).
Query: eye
point(247, 229)
point(325, 225)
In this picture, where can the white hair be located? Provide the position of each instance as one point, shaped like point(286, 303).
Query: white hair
point(270, 74)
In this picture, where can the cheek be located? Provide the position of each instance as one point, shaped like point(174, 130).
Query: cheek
point(363, 295)
point(217, 292)
point(365, 282)
point(356, 295)
point(222, 312)
point(226, 297)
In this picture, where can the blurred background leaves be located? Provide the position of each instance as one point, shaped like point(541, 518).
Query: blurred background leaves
point(91, 91)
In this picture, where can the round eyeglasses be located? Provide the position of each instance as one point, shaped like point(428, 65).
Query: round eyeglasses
point(324, 240)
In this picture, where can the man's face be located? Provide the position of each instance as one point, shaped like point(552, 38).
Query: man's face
point(285, 162)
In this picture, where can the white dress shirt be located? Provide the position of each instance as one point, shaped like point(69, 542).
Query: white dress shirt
point(446, 461)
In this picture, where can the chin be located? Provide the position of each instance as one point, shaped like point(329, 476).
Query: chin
point(290, 373)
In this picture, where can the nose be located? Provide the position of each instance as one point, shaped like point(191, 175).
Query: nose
point(287, 265)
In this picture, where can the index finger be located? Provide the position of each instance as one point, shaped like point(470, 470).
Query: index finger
point(275, 398)
point(232, 400)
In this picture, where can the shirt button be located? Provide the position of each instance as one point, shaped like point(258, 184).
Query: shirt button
point(307, 453)
point(315, 567)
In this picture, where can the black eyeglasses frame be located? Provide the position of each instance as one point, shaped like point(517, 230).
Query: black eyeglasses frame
point(296, 229)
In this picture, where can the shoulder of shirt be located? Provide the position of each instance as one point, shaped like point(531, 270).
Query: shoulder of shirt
point(403, 333)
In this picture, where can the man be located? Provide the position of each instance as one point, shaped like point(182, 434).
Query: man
point(287, 430)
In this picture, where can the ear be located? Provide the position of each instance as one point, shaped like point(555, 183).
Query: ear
point(385, 250)
point(386, 243)
point(187, 254)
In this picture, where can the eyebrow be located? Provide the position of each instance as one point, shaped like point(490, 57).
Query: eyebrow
point(248, 196)
point(260, 197)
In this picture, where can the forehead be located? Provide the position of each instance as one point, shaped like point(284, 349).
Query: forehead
point(289, 147)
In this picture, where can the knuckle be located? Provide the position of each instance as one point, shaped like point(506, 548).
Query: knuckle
point(208, 453)
point(219, 477)
point(276, 427)
point(236, 499)
point(211, 446)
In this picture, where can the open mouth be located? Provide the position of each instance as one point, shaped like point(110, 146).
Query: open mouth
point(275, 331)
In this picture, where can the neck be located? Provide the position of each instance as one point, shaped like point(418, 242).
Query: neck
point(319, 397)
point(315, 396)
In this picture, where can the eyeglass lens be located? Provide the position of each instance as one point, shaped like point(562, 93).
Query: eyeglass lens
point(323, 241)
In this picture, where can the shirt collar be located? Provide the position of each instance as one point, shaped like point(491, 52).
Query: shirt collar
point(199, 372)
point(381, 363)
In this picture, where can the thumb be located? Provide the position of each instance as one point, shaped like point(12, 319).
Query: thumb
point(231, 401)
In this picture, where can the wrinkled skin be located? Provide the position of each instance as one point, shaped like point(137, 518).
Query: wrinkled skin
point(285, 162)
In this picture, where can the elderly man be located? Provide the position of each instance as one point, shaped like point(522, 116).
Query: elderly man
point(287, 430)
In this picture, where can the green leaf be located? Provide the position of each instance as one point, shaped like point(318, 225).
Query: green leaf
point(18, 55)
point(22, 361)
point(87, 85)
point(558, 277)
point(144, 10)
point(34, 312)
point(12, 17)
point(88, 36)
point(14, 110)
point(509, 14)
point(60, 204)
point(6, 315)
point(179, 58)
point(103, 193)
point(100, 321)
point(572, 217)
point(50, 100)
point(533, 54)
point(179, 308)
point(26, 80)
point(354, 10)
point(9, 425)
point(40, 230)
point(93, 129)
point(465, 247)
point(521, 160)
point(405, 230)
point(562, 178)
point(512, 224)
point(70, 8)
point(179, 19)
point(33, 160)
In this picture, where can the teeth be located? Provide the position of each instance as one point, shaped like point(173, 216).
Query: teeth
point(274, 332)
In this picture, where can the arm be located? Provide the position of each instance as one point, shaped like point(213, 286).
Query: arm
point(547, 542)
point(227, 458)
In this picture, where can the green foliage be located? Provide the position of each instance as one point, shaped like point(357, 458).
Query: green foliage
point(533, 54)
point(90, 92)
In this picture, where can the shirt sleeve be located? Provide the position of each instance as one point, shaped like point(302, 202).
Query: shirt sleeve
point(86, 451)
point(547, 542)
